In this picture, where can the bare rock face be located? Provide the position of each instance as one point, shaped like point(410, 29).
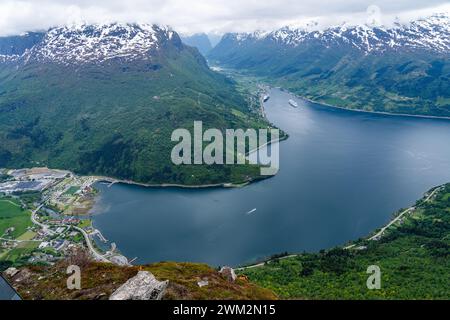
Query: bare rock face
point(228, 273)
point(203, 283)
point(11, 272)
point(22, 276)
point(143, 286)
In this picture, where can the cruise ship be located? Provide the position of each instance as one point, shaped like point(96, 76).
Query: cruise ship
point(293, 103)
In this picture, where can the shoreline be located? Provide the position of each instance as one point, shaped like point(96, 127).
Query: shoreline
point(350, 244)
point(113, 181)
point(203, 186)
point(266, 82)
point(384, 113)
point(375, 235)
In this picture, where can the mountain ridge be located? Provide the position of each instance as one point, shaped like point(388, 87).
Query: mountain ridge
point(404, 70)
point(108, 106)
point(95, 43)
point(366, 37)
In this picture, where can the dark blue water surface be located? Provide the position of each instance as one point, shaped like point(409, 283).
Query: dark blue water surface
point(342, 175)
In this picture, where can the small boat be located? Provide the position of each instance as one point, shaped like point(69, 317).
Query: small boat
point(293, 103)
point(251, 211)
point(266, 98)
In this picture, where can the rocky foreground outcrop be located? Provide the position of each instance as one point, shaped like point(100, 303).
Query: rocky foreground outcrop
point(228, 273)
point(165, 280)
point(143, 286)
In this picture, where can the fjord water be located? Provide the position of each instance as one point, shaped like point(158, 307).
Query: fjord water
point(342, 175)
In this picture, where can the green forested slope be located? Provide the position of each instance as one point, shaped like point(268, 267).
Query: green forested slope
point(116, 118)
point(413, 257)
point(401, 80)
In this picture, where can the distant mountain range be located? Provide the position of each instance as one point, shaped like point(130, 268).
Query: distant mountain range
point(104, 99)
point(199, 41)
point(400, 69)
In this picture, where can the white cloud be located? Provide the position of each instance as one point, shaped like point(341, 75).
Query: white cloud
point(216, 16)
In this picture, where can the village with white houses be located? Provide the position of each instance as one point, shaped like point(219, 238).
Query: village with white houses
point(45, 216)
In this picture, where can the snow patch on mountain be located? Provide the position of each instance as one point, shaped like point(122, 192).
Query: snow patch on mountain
point(8, 58)
point(98, 43)
point(432, 33)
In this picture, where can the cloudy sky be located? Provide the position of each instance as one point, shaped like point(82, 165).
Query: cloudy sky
point(213, 16)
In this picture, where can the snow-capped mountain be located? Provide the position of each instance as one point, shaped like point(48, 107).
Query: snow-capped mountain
point(404, 68)
point(432, 33)
point(97, 43)
point(105, 98)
